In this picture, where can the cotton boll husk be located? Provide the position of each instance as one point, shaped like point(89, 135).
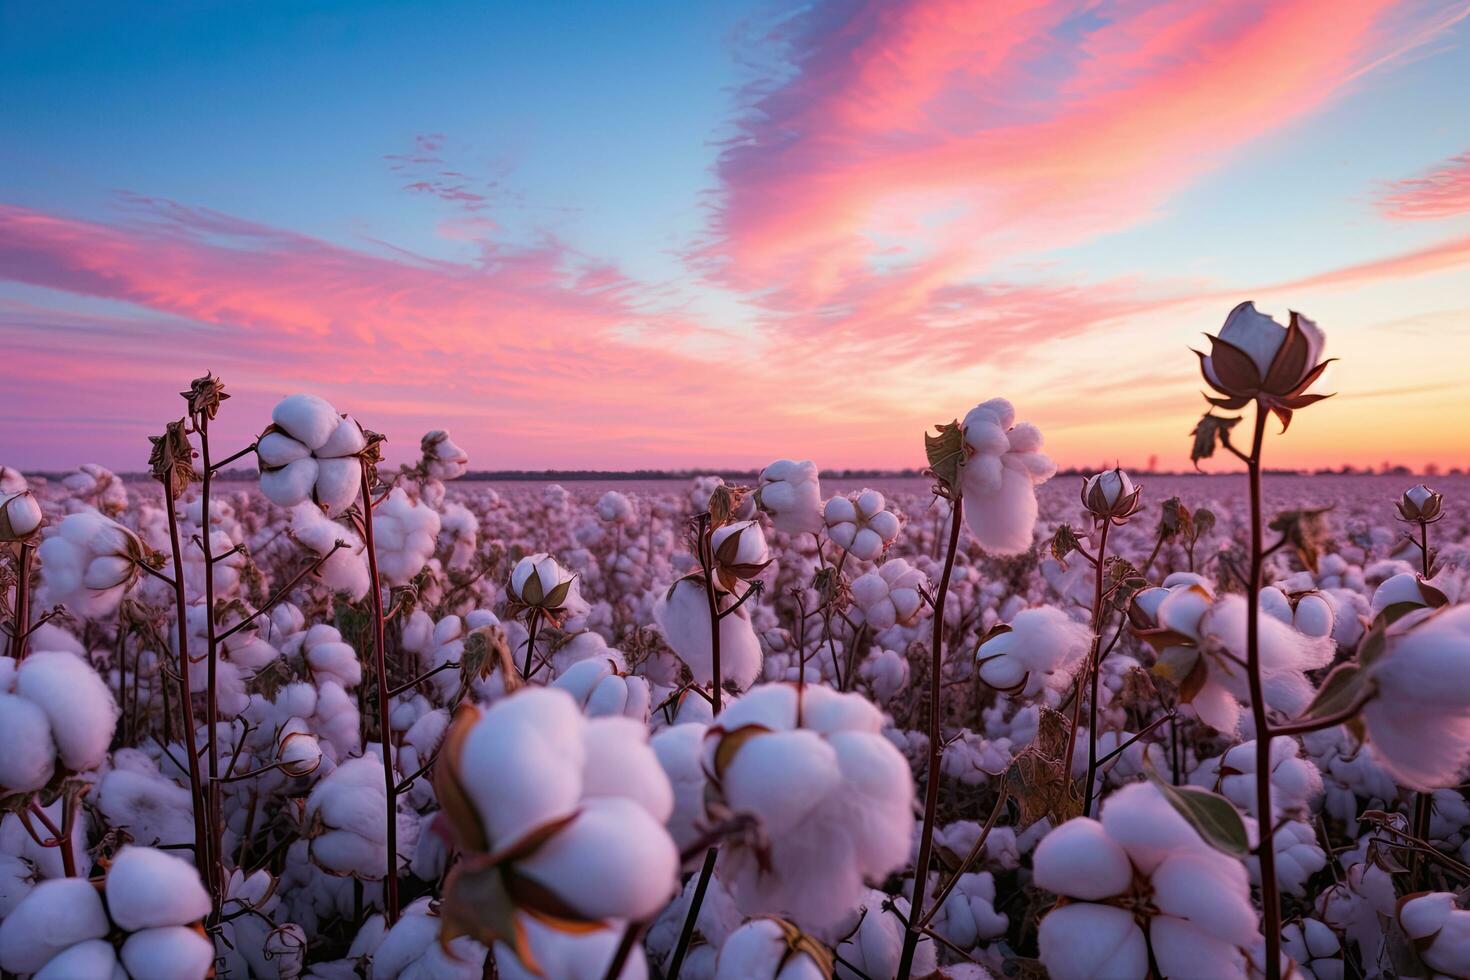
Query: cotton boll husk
point(94, 958)
point(523, 763)
point(1080, 860)
point(58, 913)
point(29, 757)
point(147, 887)
point(76, 701)
point(168, 953)
point(614, 860)
point(1092, 941)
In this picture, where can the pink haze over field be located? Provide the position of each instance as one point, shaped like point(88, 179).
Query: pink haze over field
point(714, 237)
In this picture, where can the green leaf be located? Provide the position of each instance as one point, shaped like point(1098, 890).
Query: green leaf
point(1210, 431)
point(1340, 689)
point(1210, 814)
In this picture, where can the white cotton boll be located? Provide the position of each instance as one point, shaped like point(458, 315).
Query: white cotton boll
point(1440, 930)
point(1179, 946)
point(338, 483)
point(347, 439)
point(612, 860)
point(29, 757)
point(411, 950)
point(679, 749)
point(168, 953)
point(1087, 941)
point(782, 777)
point(620, 762)
point(147, 887)
point(346, 570)
point(750, 547)
point(792, 494)
point(1080, 860)
point(351, 805)
point(58, 913)
point(569, 955)
point(70, 552)
point(1418, 728)
point(94, 958)
point(523, 763)
point(762, 950)
point(20, 515)
point(998, 481)
point(276, 449)
point(1042, 649)
point(76, 701)
point(682, 614)
point(614, 508)
point(291, 484)
point(1147, 827)
point(17, 878)
point(1209, 889)
point(875, 946)
point(306, 418)
point(860, 526)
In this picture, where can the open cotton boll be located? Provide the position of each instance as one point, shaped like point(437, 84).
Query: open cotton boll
point(601, 690)
point(349, 806)
point(88, 562)
point(58, 913)
point(345, 570)
point(147, 887)
point(306, 418)
point(683, 616)
point(404, 533)
point(791, 493)
point(1089, 940)
point(1296, 782)
point(679, 750)
point(1418, 724)
point(150, 807)
point(770, 949)
point(20, 515)
point(168, 953)
point(889, 595)
point(875, 944)
point(834, 795)
point(615, 508)
point(1041, 649)
point(968, 915)
point(999, 479)
point(29, 758)
point(77, 703)
point(1440, 930)
point(860, 524)
point(443, 460)
point(93, 958)
point(570, 955)
point(411, 949)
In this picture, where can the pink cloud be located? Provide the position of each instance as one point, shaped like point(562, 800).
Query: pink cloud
point(963, 136)
point(1439, 193)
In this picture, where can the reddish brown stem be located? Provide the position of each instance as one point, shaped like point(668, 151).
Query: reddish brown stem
point(21, 628)
point(380, 665)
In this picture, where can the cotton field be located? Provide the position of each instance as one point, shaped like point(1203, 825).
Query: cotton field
point(352, 720)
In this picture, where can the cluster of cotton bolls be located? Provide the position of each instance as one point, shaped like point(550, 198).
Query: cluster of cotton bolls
point(691, 722)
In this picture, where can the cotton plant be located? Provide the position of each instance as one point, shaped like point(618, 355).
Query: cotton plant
point(1140, 887)
point(790, 491)
point(860, 524)
point(143, 922)
point(574, 807)
point(95, 486)
point(831, 794)
point(346, 820)
point(1038, 650)
point(311, 453)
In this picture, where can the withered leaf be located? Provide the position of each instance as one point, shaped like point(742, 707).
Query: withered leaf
point(945, 451)
point(1210, 431)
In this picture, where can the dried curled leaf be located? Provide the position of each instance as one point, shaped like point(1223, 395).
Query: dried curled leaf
point(945, 451)
point(171, 460)
point(1210, 431)
point(1063, 543)
point(204, 396)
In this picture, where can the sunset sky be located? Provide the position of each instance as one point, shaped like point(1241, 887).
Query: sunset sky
point(670, 234)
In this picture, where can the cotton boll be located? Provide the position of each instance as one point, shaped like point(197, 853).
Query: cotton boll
point(683, 616)
point(88, 562)
point(860, 525)
point(766, 949)
point(570, 955)
point(791, 493)
point(168, 953)
point(58, 913)
point(999, 480)
point(30, 755)
point(77, 702)
point(345, 570)
point(1080, 860)
point(405, 533)
point(1440, 930)
point(291, 483)
point(1041, 649)
point(615, 508)
point(1087, 940)
point(411, 950)
point(306, 418)
point(20, 515)
point(1139, 819)
point(875, 946)
point(350, 805)
point(678, 749)
point(147, 887)
point(338, 483)
point(93, 958)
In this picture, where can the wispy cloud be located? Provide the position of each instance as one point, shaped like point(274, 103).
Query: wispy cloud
point(1441, 192)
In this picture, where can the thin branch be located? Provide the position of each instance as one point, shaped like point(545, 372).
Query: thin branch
point(282, 593)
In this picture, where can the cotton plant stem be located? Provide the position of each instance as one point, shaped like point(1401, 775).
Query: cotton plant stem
point(380, 665)
point(20, 628)
point(1094, 670)
point(1423, 802)
point(936, 747)
point(211, 706)
point(202, 837)
point(686, 934)
point(1270, 892)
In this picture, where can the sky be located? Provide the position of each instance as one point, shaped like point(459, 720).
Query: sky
point(671, 234)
